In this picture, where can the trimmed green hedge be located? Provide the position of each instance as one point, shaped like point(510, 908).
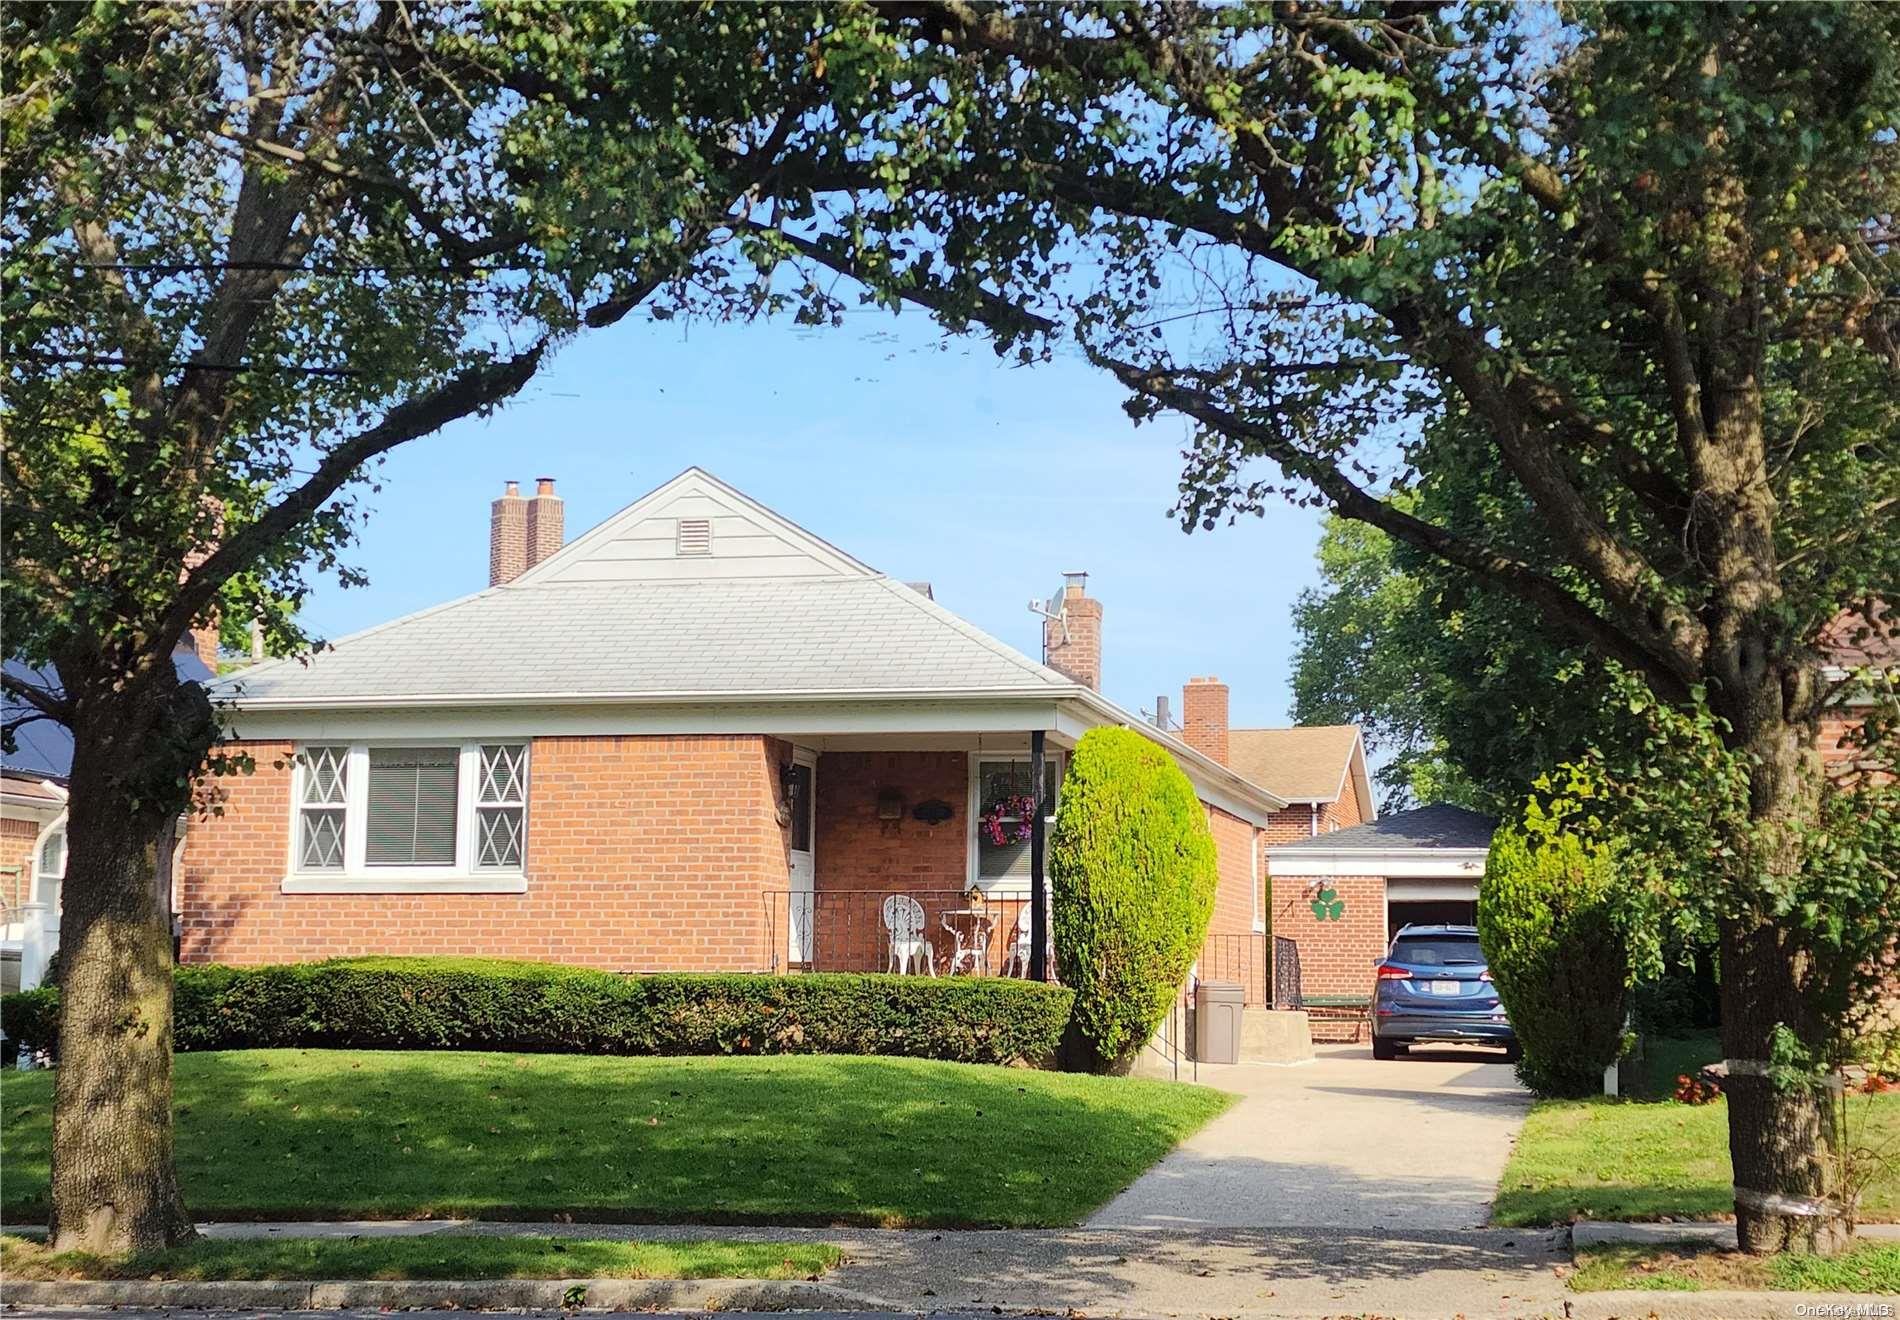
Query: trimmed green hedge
point(1548, 925)
point(466, 1003)
point(1133, 872)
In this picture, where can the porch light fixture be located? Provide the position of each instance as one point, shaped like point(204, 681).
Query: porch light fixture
point(890, 805)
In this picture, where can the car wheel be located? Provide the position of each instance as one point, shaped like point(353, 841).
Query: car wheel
point(1384, 1049)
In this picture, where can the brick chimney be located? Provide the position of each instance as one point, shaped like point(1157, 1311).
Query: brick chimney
point(1204, 717)
point(202, 637)
point(1072, 645)
point(507, 536)
point(546, 522)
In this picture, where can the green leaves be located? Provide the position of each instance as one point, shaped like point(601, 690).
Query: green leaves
point(1132, 874)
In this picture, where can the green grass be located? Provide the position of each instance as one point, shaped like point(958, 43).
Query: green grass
point(1618, 1160)
point(1871, 1267)
point(1666, 1058)
point(444, 1257)
point(313, 1134)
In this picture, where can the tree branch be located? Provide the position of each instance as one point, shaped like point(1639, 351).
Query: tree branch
point(1351, 500)
point(473, 389)
point(49, 706)
point(998, 313)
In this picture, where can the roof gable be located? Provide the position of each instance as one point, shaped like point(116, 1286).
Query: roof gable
point(1306, 763)
point(695, 528)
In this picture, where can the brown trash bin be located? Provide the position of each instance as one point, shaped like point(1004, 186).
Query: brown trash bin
point(1217, 1009)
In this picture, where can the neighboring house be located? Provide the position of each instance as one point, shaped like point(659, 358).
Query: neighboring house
point(32, 863)
point(33, 821)
point(1341, 895)
point(1320, 769)
point(1423, 866)
point(698, 737)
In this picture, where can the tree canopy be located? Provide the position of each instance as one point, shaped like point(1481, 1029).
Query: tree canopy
point(1630, 267)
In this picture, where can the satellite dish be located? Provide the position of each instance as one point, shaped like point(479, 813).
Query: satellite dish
point(1055, 608)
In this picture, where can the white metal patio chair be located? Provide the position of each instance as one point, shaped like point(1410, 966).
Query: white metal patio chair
point(910, 947)
point(1017, 961)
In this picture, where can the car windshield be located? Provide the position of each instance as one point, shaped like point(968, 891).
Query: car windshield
point(1436, 950)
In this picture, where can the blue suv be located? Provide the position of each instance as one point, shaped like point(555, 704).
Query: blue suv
point(1433, 985)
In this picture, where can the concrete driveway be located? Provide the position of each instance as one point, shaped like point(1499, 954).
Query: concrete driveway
point(1346, 1141)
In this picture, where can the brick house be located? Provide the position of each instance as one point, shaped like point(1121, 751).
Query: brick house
point(697, 737)
point(33, 816)
point(32, 864)
point(1423, 866)
point(1418, 867)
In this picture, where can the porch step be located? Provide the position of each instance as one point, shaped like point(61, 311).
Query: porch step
point(1275, 1036)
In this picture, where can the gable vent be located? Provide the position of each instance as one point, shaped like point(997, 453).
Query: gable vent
point(695, 536)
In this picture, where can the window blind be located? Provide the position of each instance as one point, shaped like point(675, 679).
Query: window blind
point(412, 806)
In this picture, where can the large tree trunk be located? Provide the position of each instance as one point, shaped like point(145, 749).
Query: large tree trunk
point(1783, 1141)
point(114, 1187)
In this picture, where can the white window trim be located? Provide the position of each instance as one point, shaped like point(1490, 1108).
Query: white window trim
point(57, 825)
point(1255, 843)
point(999, 886)
point(356, 875)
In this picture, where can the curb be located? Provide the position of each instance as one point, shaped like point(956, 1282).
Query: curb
point(1723, 1305)
point(1593, 1232)
point(459, 1294)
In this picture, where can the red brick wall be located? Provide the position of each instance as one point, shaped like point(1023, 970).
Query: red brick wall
point(643, 854)
point(1335, 956)
point(1231, 952)
point(860, 858)
point(16, 850)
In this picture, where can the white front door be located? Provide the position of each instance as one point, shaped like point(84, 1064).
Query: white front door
point(800, 780)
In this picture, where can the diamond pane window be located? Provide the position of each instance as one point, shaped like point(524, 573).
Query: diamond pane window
point(321, 812)
point(501, 805)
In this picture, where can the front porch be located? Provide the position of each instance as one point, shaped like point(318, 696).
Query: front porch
point(916, 855)
point(905, 854)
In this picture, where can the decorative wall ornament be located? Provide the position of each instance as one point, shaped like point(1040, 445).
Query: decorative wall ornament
point(1010, 816)
point(933, 812)
point(1327, 905)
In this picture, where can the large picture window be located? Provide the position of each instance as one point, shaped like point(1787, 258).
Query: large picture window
point(410, 816)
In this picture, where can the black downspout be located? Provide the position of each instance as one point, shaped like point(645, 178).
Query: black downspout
point(1038, 897)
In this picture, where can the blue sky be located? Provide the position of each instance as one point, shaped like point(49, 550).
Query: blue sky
point(928, 459)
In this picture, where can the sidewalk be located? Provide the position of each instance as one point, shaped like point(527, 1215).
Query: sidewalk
point(1420, 1274)
point(1232, 1273)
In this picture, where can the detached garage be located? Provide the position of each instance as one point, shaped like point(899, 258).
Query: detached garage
point(1341, 896)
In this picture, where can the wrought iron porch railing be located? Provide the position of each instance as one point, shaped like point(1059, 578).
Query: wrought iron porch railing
point(1239, 958)
point(940, 930)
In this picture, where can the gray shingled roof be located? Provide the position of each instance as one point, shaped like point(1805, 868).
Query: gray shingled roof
point(597, 639)
point(1423, 827)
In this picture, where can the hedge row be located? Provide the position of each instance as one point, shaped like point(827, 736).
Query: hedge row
point(453, 1003)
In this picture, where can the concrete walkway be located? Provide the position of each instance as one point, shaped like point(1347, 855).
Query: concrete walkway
point(1346, 1141)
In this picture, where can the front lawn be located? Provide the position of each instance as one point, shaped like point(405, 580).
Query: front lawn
point(1618, 1160)
point(315, 1134)
point(1871, 1267)
point(444, 1257)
